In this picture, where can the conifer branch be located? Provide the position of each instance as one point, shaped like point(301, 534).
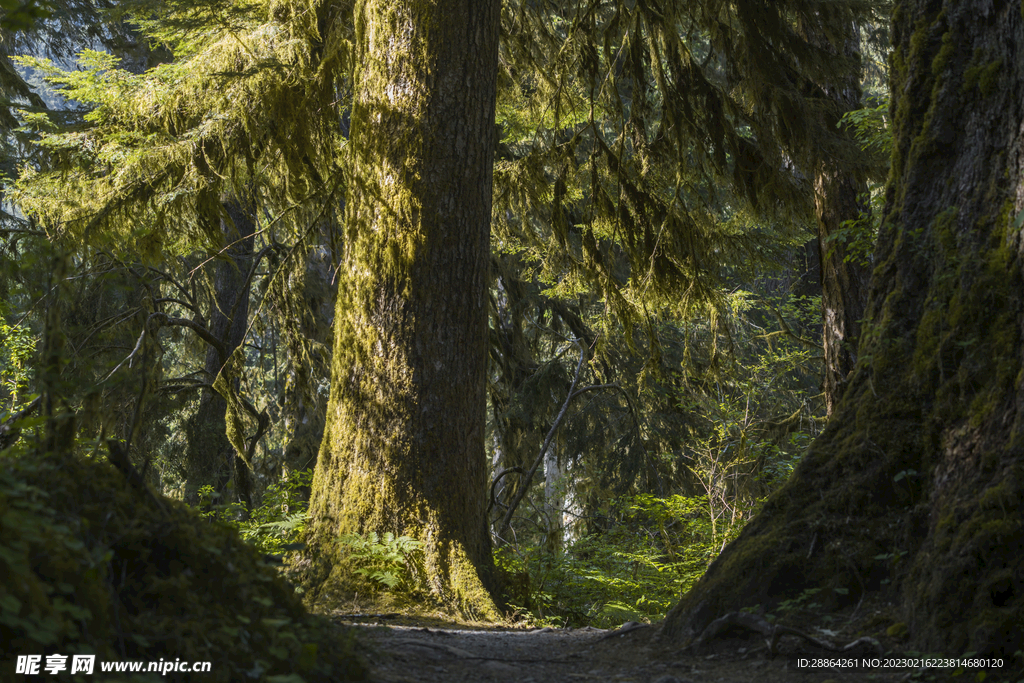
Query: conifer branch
point(787, 331)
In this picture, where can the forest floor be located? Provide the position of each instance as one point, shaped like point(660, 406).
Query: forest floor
point(417, 650)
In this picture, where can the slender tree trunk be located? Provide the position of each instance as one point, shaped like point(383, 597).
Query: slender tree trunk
point(919, 477)
point(844, 280)
point(554, 500)
point(306, 330)
point(210, 459)
point(403, 449)
point(844, 283)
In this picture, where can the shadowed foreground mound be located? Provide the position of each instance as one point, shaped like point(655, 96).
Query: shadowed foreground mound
point(93, 566)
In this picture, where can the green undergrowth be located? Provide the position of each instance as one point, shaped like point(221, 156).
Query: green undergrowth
point(393, 563)
point(386, 572)
point(634, 571)
point(275, 525)
point(94, 566)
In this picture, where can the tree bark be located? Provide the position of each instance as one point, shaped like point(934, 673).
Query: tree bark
point(919, 476)
point(554, 500)
point(403, 448)
point(844, 283)
point(307, 308)
point(211, 459)
point(844, 280)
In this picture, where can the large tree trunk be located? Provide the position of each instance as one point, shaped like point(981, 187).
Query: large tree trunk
point(919, 476)
point(403, 449)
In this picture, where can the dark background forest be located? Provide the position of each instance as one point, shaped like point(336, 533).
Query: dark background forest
point(522, 311)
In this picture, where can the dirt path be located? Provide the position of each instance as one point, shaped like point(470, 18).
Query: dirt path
point(418, 654)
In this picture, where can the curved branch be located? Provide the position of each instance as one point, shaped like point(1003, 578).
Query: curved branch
point(789, 332)
point(506, 520)
point(518, 470)
point(204, 334)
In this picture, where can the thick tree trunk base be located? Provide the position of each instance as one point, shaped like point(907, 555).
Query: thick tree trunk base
point(849, 524)
point(455, 585)
point(915, 490)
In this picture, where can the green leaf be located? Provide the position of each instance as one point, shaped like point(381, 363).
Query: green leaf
point(11, 604)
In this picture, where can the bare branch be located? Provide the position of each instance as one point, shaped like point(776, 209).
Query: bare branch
point(501, 475)
point(521, 493)
point(172, 300)
point(204, 334)
point(8, 428)
point(138, 345)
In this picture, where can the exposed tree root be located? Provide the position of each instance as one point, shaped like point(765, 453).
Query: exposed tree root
point(628, 627)
point(772, 634)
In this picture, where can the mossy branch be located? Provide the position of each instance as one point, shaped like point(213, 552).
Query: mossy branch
point(788, 331)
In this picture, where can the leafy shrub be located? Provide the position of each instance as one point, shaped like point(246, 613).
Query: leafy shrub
point(16, 348)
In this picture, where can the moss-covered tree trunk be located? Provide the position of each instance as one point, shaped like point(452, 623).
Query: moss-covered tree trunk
point(844, 281)
point(307, 306)
point(919, 476)
point(403, 449)
point(210, 458)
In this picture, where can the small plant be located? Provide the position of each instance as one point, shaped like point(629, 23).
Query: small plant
point(802, 602)
point(16, 348)
point(392, 562)
point(620, 612)
point(274, 526)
